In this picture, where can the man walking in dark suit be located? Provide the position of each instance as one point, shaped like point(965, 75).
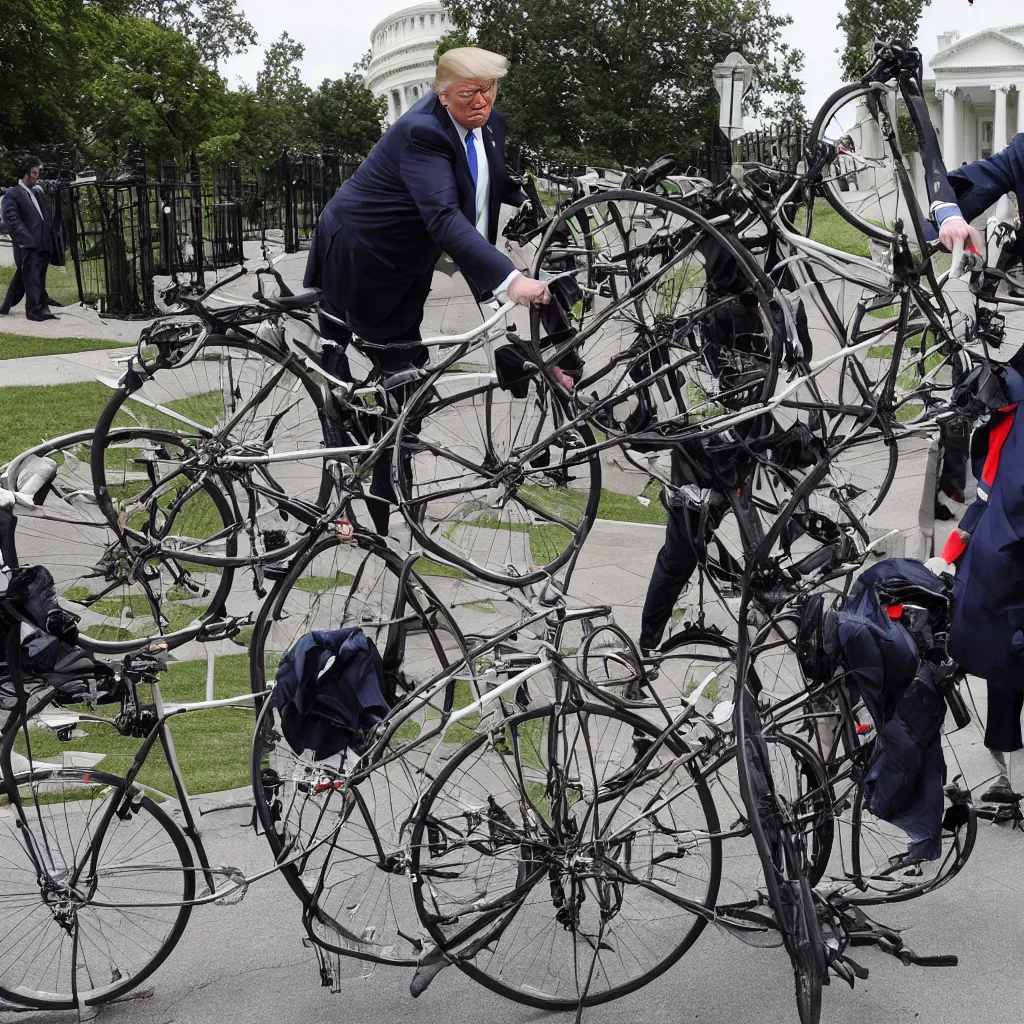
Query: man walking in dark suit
point(434, 183)
point(27, 213)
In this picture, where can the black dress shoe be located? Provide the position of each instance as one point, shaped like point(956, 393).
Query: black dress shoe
point(38, 317)
point(5, 310)
point(1000, 793)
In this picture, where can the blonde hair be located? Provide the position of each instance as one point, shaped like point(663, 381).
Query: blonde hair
point(468, 62)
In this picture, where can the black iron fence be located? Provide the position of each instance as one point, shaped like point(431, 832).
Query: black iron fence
point(780, 145)
point(154, 218)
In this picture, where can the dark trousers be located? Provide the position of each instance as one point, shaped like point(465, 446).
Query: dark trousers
point(29, 281)
point(387, 362)
point(1002, 727)
point(674, 566)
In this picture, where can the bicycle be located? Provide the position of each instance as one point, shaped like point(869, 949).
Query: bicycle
point(99, 880)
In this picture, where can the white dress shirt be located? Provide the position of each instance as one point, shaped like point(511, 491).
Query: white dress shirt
point(35, 198)
point(483, 175)
point(483, 187)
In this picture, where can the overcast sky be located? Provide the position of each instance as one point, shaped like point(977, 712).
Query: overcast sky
point(336, 33)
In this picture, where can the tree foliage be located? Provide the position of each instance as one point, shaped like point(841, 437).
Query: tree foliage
point(217, 28)
point(342, 115)
point(863, 21)
point(155, 89)
point(48, 55)
point(627, 80)
point(99, 74)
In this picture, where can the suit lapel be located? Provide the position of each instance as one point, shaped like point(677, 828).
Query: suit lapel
point(494, 148)
point(463, 175)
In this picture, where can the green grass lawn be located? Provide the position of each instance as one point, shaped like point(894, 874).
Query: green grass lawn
point(213, 746)
point(830, 229)
point(30, 415)
point(60, 283)
point(18, 346)
point(623, 508)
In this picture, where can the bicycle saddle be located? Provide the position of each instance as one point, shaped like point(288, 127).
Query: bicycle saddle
point(305, 300)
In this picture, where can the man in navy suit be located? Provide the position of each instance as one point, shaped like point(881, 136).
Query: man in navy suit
point(27, 213)
point(434, 183)
point(977, 186)
point(986, 637)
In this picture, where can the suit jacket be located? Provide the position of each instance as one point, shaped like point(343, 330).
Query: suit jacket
point(978, 185)
point(28, 230)
point(378, 239)
point(987, 635)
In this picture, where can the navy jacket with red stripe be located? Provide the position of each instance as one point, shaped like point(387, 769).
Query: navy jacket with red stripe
point(988, 619)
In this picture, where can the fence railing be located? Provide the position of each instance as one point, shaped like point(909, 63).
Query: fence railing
point(157, 219)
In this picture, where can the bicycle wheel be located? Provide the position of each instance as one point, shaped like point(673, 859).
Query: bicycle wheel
point(702, 661)
point(779, 834)
point(569, 860)
point(501, 486)
point(859, 181)
point(883, 870)
point(127, 587)
point(347, 836)
point(699, 660)
point(236, 398)
point(664, 322)
point(99, 923)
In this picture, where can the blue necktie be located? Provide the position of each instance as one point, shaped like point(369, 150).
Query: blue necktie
point(471, 155)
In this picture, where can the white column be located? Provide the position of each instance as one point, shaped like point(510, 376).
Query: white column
point(949, 157)
point(1020, 107)
point(963, 126)
point(999, 124)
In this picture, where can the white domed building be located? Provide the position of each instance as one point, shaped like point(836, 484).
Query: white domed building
point(402, 55)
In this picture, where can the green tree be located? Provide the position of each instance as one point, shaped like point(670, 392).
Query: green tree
point(627, 80)
point(863, 21)
point(275, 112)
point(342, 114)
point(216, 27)
point(450, 40)
point(48, 54)
point(155, 88)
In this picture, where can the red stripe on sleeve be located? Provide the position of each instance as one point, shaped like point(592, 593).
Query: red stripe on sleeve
point(996, 439)
point(955, 547)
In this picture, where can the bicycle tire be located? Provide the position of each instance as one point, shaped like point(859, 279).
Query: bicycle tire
point(829, 186)
point(870, 884)
point(538, 522)
point(436, 822)
point(367, 817)
point(129, 936)
point(262, 416)
point(620, 382)
point(809, 795)
point(123, 602)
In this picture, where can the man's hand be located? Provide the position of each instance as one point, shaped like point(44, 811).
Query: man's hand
point(526, 291)
point(956, 229)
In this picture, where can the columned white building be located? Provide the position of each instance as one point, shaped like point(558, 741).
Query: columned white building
point(979, 85)
point(402, 55)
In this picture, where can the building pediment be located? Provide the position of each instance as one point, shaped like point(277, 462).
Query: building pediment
point(988, 49)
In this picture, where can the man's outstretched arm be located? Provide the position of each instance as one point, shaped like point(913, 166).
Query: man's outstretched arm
point(428, 173)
